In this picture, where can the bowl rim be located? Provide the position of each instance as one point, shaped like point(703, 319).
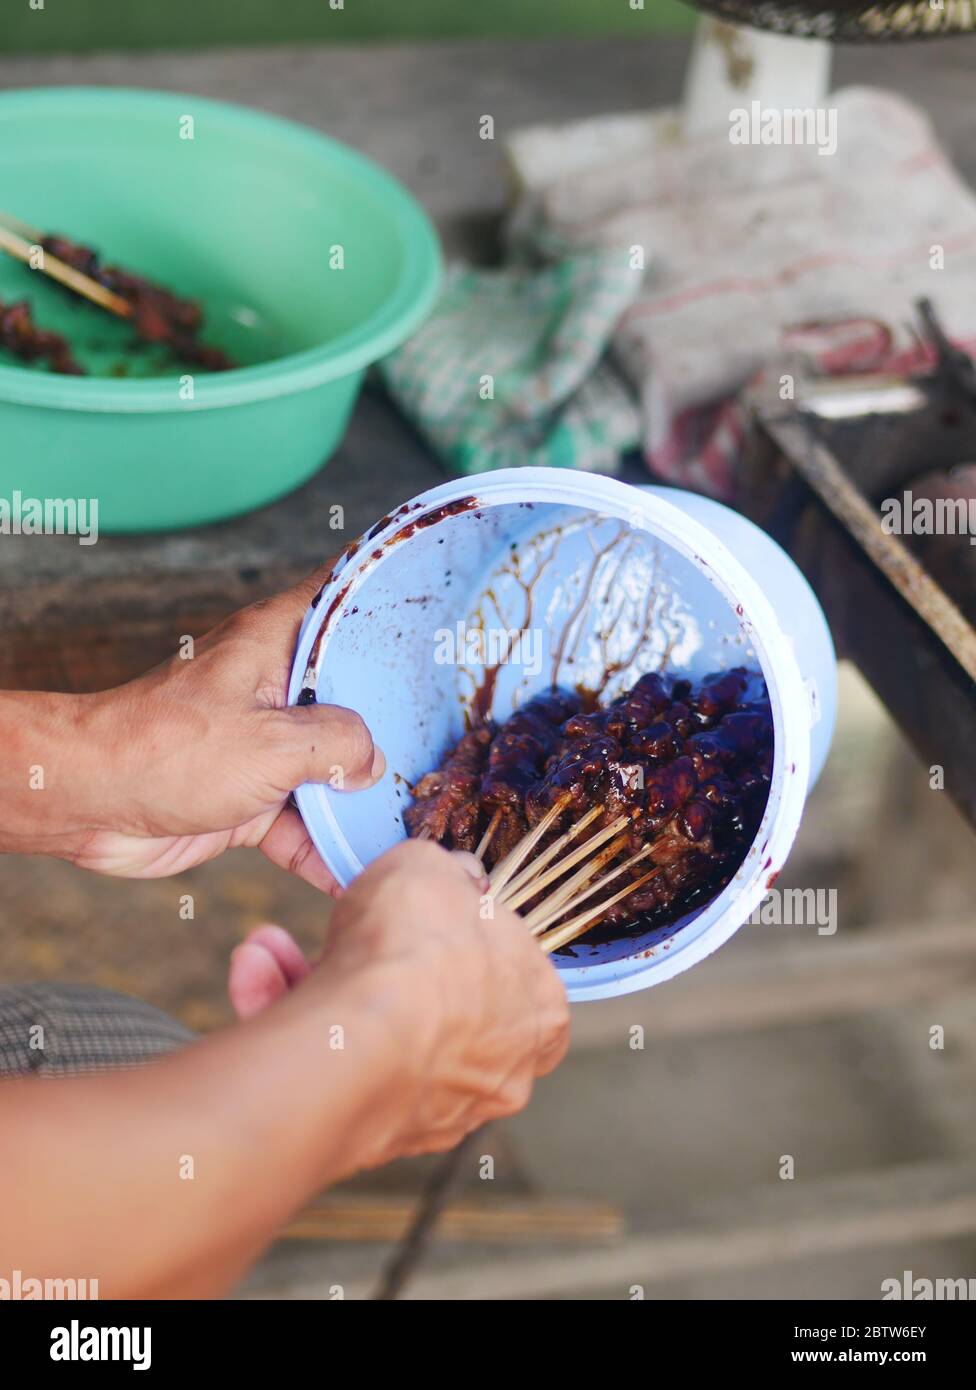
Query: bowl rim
point(403, 310)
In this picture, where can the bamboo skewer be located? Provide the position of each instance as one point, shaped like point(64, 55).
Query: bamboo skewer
point(558, 869)
point(576, 926)
point(513, 885)
point(537, 865)
point(556, 903)
point(512, 888)
point(65, 274)
point(489, 835)
point(504, 870)
point(563, 899)
point(17, 225)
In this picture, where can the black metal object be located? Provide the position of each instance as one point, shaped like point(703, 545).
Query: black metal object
point(849, 21)
point(954, 364)
point(913, 645)
point(434, 1198)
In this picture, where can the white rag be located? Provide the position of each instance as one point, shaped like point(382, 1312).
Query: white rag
point(753, 251)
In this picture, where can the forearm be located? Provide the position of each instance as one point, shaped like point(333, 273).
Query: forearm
point(168, 1180)
point(55, 771)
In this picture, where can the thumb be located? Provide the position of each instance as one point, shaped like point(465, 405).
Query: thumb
point(322, 743)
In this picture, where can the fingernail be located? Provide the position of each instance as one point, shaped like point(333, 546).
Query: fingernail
point(379, 764)
point(473, 866)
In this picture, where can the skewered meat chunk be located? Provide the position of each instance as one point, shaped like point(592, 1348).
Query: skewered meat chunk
point(446, 802)
point(517, 758)
point(20, 335)
point(580, 772)
point(690, 765)
point(511, 829)
point(640, 706)
point(521, 747)
point(158, 315)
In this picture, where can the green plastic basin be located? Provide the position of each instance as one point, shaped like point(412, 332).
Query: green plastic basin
point(310, 261)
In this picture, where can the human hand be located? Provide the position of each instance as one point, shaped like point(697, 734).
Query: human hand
point(200, 755)
point(473, 1011)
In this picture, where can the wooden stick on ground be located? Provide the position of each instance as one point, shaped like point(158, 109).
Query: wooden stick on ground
point(822, 471)
point(502, 1221)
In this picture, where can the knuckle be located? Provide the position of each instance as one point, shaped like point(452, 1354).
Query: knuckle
point(417, 859)
point(428, 869)
point(554, 991)
point(349, 730)
point(510, 935)
point(554, 1044)
point(299, 857)
point(513, 1096)
point(408, 882)
point(281, 740)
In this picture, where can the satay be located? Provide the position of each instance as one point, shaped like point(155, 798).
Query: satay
point(690, 765)
point(20, 335)
point(158, 315)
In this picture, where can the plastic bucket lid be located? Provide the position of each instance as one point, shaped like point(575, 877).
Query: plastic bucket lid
point(601, 576)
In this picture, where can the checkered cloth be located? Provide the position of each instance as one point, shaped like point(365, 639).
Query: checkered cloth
point(511, 369)
point(59, 1030)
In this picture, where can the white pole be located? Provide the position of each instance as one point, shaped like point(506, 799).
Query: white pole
point(732, 66)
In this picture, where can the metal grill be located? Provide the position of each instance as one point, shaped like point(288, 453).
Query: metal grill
point(850, 21)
